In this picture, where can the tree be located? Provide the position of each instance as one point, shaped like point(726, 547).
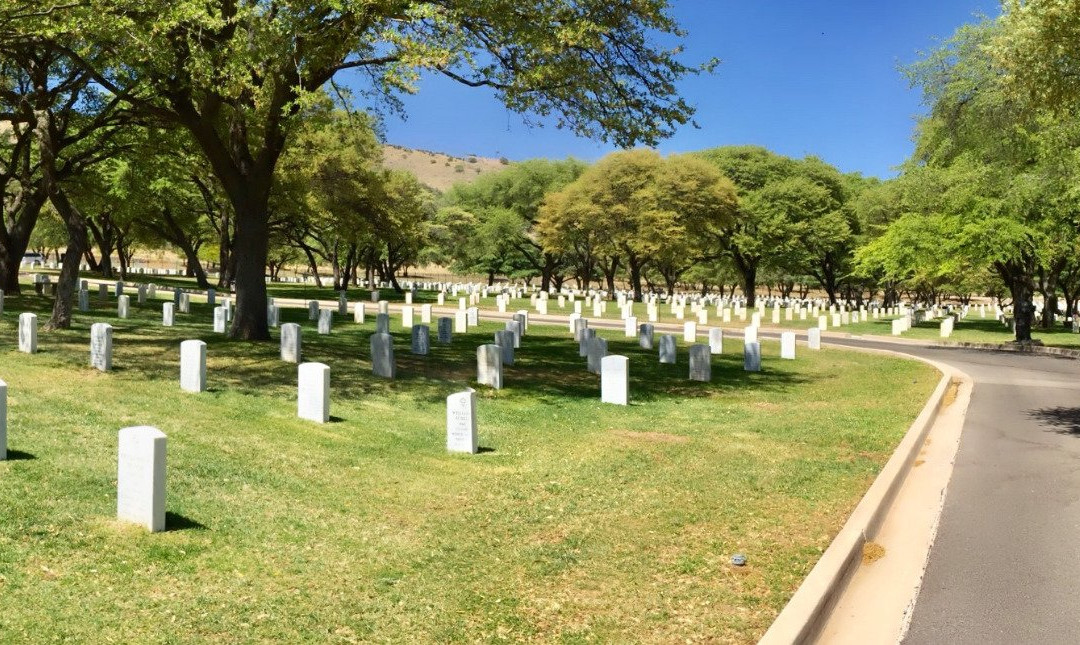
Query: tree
point(1003, 159)
point(509, 201)
point(641, 209)
point(760, 231)
point(237, 74)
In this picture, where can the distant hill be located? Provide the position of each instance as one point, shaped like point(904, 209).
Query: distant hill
point(437, 170)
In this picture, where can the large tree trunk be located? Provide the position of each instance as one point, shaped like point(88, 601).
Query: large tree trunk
point(14, 240)
point(252, 239)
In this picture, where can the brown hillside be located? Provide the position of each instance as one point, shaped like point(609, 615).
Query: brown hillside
point(437, 170)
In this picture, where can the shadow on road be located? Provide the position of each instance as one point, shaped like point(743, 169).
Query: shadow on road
point(1062, 420)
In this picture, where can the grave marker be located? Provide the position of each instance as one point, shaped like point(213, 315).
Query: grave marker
point(140, 477)
point(700, 363)
point(193, 366)
point(614, 379)
point(28, 333)
point(290, 342)
point(461, 433)
point(101, 346)
point(313, 391)
point(382, 355)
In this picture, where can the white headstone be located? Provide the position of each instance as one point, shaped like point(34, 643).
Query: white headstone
point(615, 379)
point(461, 324)
point(421, 340)
point(700, 363)
point(752, 357)
point(101, 346)
point(787, 345)
point(750, 334)
point(382, 323)
point(595, 351)
point(326, 319)
point(716, 340)
point(219, 319)
point(445, 327)
point(313, 309)
point(359, 313)
point(406, 317)
point(690, 332)
point(461, 433)
point(290, 342)
point(667, 349)
point(489, 365)
point(28, 333)
point(313, 392)
point(167, 314)
point(140, 477)
point(813, 338)
point(645, 336)
point(193, 366)
point(382, 355)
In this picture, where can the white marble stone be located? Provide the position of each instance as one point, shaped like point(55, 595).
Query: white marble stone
point(407, 317)
point(716, 340)
point(185, 303)
point(28, 333)
point(382, 323)
point(168, 310)
point(787, 345)
point(84, 300)
point(595, 351)
point(445, 329)
point(313, 392)
point(461, 323)
point(646, 334)
point(461, 435)
point(690, 332)
point(421, 340)
point(382, 355)
point(667, 349)
point(219, 319)
point(193, 366)
point(101, 346)
point(359, 313)
point(615, 379)
point(752, 357)
point(211, 297)
point(425, 314)
point(813, 338)
point(291, 341)
point(384, 306)
point(489, 366)
point(140, 477)
point(326, 321)
point(313, 309)
point(505, 340)
point(700, 363)
point(750, 334)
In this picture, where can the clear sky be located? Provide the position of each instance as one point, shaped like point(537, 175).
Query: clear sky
point(797, 76)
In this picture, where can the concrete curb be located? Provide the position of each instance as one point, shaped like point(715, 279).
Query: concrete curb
point(801, 620)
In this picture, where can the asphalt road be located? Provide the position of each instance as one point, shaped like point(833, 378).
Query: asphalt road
point(1005, 567)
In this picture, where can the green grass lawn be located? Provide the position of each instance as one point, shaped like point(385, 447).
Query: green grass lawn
point(578, 521)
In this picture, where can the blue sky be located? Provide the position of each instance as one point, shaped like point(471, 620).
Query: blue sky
point(797, 76)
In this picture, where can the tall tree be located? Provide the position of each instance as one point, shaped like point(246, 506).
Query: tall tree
point(236, 73)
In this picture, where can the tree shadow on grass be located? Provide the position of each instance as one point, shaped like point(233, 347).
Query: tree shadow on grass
point(177, 522)
point(1061, 420)
point(547, 365)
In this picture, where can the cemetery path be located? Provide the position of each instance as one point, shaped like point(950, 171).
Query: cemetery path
point(1005, 566)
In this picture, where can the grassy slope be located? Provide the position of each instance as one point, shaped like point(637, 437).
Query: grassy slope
point(581, 521)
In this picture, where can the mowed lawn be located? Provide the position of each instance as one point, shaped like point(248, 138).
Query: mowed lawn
point(577, 522)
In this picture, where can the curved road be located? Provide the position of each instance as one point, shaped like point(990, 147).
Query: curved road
point(1005, 566)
